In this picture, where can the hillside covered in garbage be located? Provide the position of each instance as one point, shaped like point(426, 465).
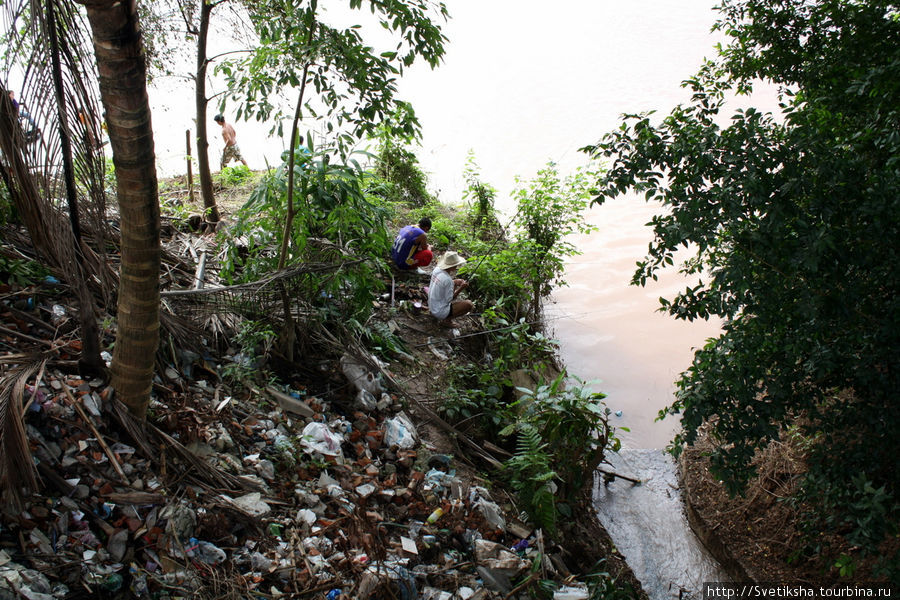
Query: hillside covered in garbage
point(339, 475)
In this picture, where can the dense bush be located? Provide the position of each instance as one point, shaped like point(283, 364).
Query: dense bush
point(399, 169)
point(331, 204)
point(563, 432)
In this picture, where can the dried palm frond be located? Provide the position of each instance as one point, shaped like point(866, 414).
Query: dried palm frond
point(51, 144)
point(16, 466)
point(48, 49)
point(147, 437)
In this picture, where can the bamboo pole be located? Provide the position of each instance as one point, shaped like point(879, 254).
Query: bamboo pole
point(190, 173)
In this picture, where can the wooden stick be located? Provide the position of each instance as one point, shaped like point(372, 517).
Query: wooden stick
point(26, 337)
point(614, 474)
point(190, 174)
point(201, 270)
point(109, 453)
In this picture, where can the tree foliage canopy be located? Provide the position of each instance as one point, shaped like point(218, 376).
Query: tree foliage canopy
point(793, 226)
point(354, 85)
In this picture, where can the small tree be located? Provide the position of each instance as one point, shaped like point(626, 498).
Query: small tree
point(550, 209)
point(355, 86)
point(480, 196)
point(338, 210)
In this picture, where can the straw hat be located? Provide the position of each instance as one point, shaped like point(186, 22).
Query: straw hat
point(449, 260)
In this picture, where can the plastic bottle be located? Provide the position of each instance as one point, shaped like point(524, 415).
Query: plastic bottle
point(437, 514)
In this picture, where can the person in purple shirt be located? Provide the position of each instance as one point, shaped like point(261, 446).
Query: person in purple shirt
point(411, 249)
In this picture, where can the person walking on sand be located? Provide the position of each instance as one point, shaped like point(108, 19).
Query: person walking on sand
point(444, 289)
point(231, 150)
point(411, 249)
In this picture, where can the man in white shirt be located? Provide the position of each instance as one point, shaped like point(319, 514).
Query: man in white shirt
point(444, 289)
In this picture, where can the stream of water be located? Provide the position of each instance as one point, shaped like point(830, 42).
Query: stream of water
point(648, 525)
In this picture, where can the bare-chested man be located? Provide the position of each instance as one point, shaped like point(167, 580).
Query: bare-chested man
point(231, 151)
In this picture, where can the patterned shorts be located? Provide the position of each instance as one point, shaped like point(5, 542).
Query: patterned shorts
point(231, 153)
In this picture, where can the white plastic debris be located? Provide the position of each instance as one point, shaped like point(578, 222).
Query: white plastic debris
point(430, 593)
point(399, 431)
point(366, 401)
point(304, 515)
point(263, 467)
point(206, 552)
point(571, 593)
point(330, 485)
point(260, 563)
point(318, 437)
point(252, 504)
point(365, 490)
point(359, 375)
point(492, 513)
point(58, 313)
point(408, 545)
point(497, 559)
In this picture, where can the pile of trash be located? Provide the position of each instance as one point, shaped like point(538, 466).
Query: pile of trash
point(276, 494)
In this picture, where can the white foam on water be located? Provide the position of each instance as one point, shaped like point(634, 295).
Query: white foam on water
point(648, 526)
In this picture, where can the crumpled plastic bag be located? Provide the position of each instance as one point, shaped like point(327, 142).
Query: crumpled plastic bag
point(318, 437)
point(359, 375)
point(251, 503)
point(399, 431)
point(492, 513)
point(497, 559)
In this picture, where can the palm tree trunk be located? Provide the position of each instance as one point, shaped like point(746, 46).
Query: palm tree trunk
point(123, 90)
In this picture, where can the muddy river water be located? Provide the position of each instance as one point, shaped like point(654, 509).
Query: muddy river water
point(612, 332)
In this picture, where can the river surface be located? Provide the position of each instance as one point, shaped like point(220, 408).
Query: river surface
point(612, 333)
